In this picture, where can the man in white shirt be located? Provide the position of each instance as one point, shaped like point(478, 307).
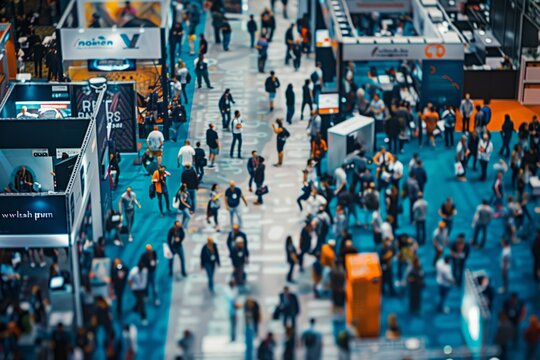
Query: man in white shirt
point(314, 203)
point(466, 108)
point(387, 233)
point(138, 281)
point(445, 280)
point(341, 179)
point(377, 107)
point(155, 141)
point(485, 148)
point(397, 171)
point(185, 154)
point(237, 126)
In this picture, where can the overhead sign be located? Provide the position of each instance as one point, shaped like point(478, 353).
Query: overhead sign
point(366, 52)
point(33, 214)
point(121, 43)
point(381, 6)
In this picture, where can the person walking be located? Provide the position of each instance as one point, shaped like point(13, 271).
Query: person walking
point(532, 337)
point(226, 31)
point(138, 281)
point(296, 50)
point(175, 39)
point(292, 257)
point(178, 117)
point(231, 295)
point(258, 177)
point(481, 220)
point(290, 102)
point(209, 261)
point(201, 70)
point(503, 335)
point(233, 195)
point(252, 164)
point(485, 149)
point(225, 108)
point(212, 140)
point(267, 348)
point(214, 204)
point(307, 98)
point(239, 255)
point(506, 133)
point(191, 180)
point(312, 341)
point(39, 53)
point(175, 240)
point(271, 85)
point(445, 280)
point(449, 118)
point(159, 180)
point(182, 73)
point(185, 154)
point(150, 261)
point(237, 128)
point(199, 161)
point(506, 260)
point(459, 250)
point(282, 134)
point(305, 243)
point(462, 156)
point(472, 144)
point(203, 45)
point(155, 141)
point(289, 42)
point(262, 47)
point(448, 212)
point(466, 109)
point(119, 276)
point(440, 241)
point(252, 30)
point(419, 218)
point(182, 202)
point(127, 204)
point(415, 280)
point(289, 307)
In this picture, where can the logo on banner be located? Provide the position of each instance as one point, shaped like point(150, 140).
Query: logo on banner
point(389, 52)
point(105, 42)
point(435, 51)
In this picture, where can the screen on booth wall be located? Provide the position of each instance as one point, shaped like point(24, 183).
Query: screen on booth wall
point(106, 14)
point(43, 109)
point(328, 104)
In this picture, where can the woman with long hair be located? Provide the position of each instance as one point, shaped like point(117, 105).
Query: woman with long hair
point(213, 206)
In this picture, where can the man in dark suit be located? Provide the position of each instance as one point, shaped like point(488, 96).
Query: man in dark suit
point(252, 164)
point(289, 307)
point(175, 240)
point(149, 260)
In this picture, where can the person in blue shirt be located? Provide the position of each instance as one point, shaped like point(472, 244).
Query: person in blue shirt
point(487, 112)
point(262, 47)
point(233, 195)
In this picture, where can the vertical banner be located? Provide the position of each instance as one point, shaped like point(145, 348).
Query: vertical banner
point(442, 82)
point(120, 112)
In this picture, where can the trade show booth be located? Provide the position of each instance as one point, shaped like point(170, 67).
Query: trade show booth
point(49, 174)
point(421, 62)
point(344, 138)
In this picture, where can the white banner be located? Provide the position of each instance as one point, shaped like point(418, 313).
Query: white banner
point(122, 43)
point(381, 6)
point(359, 52)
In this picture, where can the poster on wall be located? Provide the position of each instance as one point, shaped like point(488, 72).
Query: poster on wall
point(40, 215)
point(120, 112)
point(442, 82)
point(106, 14)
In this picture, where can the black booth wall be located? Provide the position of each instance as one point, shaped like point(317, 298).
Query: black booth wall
point(50, 134)
point(487, 84)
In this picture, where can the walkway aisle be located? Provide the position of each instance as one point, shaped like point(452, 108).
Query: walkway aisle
point(192, 307)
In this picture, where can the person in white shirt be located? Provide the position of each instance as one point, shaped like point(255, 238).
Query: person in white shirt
point(138, 281)
point(185, 154)
point(485, 148)
point(445, 280)
point(182, 74)
point(341, 179)
point(440, 240)
point(176, 89)
point(24, 114)
point(155, 141)
point(397, 171)
point(377, 108)
point(237, 126)
point(387, 233)
point(314, 203)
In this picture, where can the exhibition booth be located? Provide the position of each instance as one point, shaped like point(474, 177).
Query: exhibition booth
point(424, 67)
point(49, 171)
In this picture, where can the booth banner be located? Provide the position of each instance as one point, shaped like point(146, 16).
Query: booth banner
point(442, 82)
point(366, 52)
point(33, 214)
point(120, 112)
point(122, 43)
point(108, 13)
point(381, 6)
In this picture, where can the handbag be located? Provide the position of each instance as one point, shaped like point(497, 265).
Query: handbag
point(152, 191)
point(167, 253)
point(277, 313)
point(458, 169)
point(263, 190)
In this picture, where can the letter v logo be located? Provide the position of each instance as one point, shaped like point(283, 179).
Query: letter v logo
point(130, 43)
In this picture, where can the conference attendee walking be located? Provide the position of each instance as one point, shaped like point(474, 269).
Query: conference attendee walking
point(39, 53)
point(199, 161)
point(506, 133)
point(419, 211)
point(307, 98)
point(271, 85)
point(203, 45)
point(239, 255)
point(175, 240)
point(292, 257)
point(262, 47)
point(288, 307)
point(127, 204)
point(185, 154)
point(415, 280)
point(214, 204)
point(225, 103)
point(237, 128)
point(252, 30)
point(252, 164)
point(159, 181)
point(213, 143)
point(459, 251)
point(155, 141)
point(466, 109)
point(282, 134)
point(233, 195)
point(445, 281)
point(312, 341)
point(209, 261)
point(138, 280)
point(258, 177)
point(119, 276)
point(289, 42)
point(175, 39)
point(184, 76)
point(191, 180)
point(485, 149)
point(449, 118)
point(201, 70)
point(182, 203)
point(481, 220)
point(290, 103)
point(226, 31)
point(149, 260)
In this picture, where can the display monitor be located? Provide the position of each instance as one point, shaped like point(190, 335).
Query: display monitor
point(328, 103)
point(43, 109)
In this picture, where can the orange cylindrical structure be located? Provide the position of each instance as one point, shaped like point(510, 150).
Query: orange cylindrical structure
point(364, 293)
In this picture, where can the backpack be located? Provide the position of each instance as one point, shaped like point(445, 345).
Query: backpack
point(370, 201)
point(152, 191)
point(314, 77)
point(188, 78)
